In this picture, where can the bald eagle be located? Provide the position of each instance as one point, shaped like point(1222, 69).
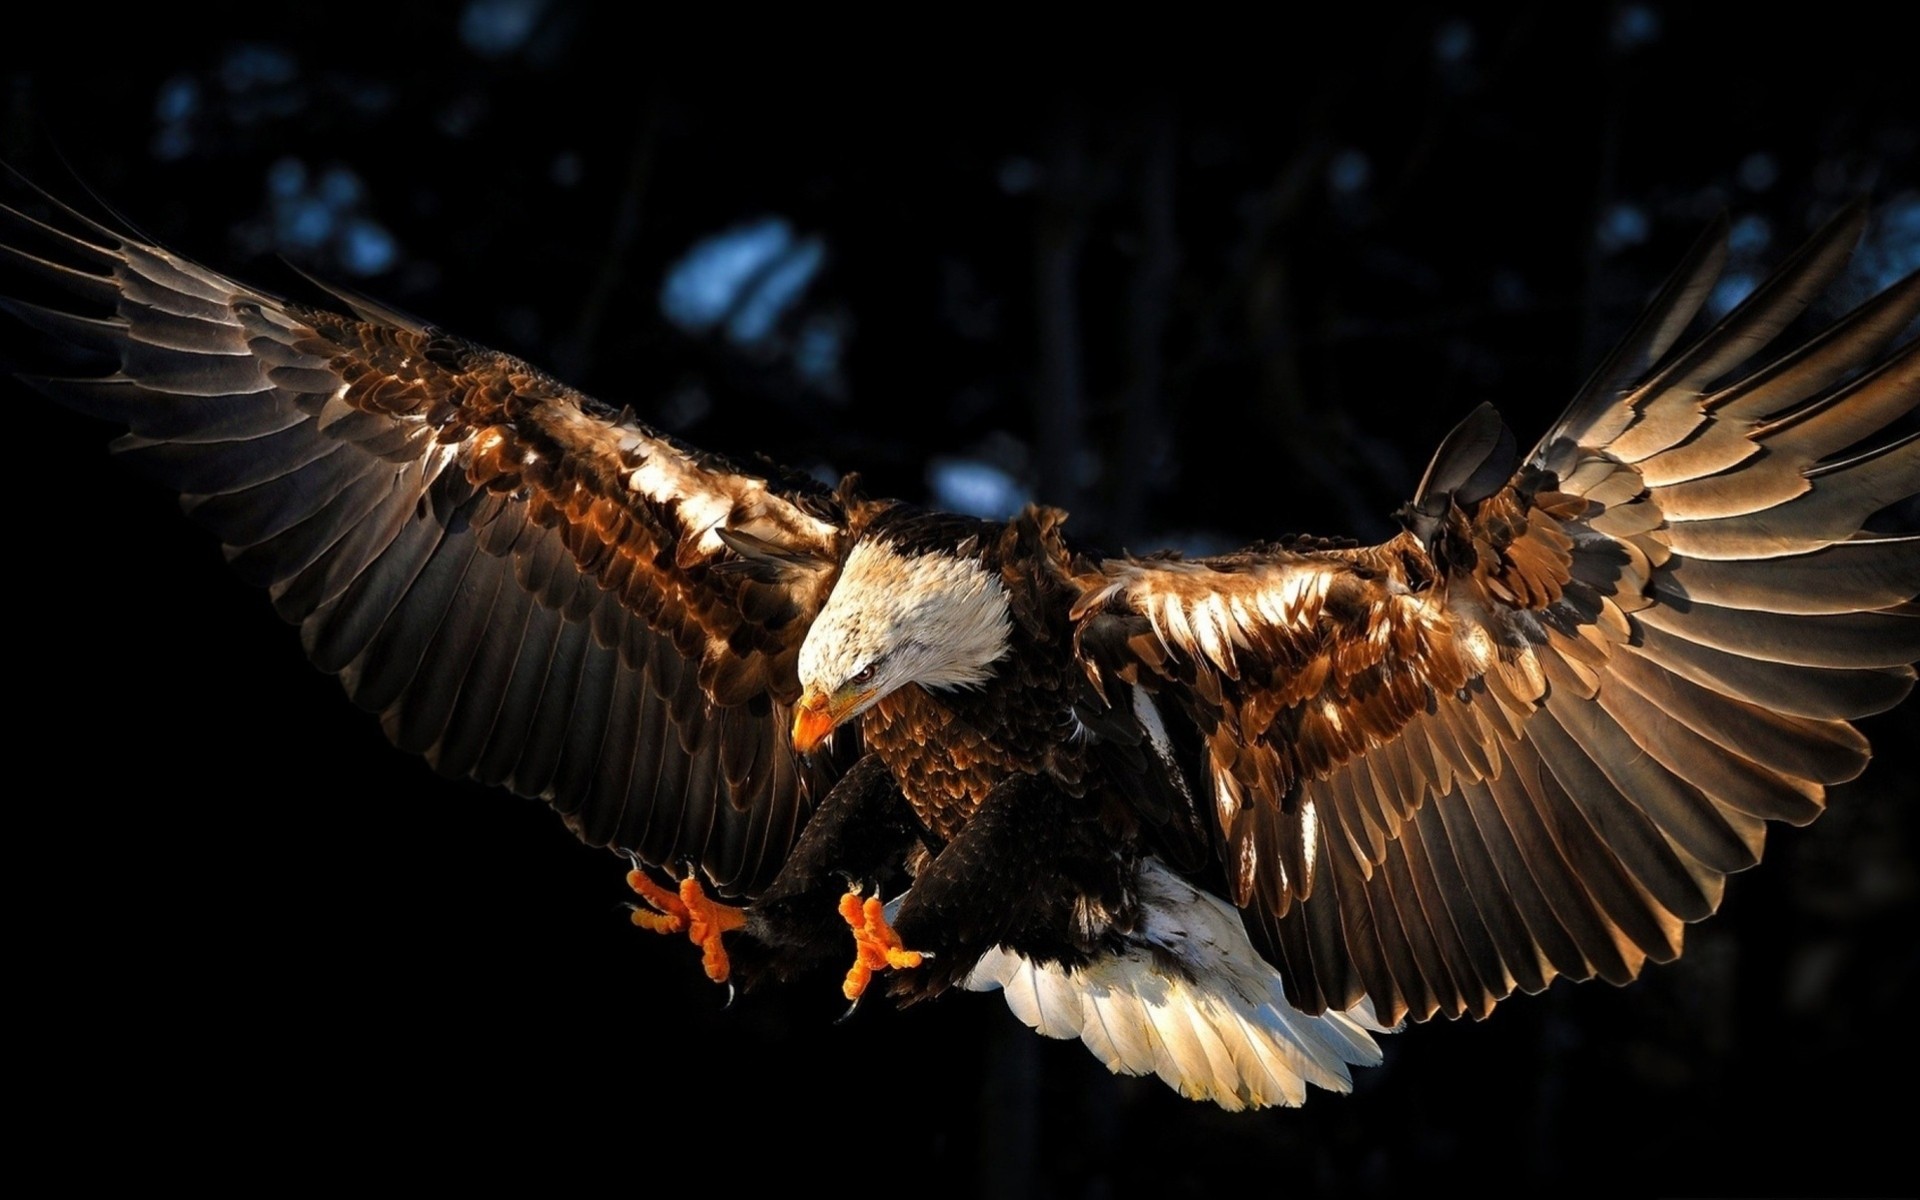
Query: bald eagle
point(1223, 819)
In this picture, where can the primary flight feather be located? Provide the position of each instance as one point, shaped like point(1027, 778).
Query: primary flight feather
point(1223, 819)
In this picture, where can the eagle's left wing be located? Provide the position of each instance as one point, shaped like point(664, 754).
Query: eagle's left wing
point(1531, 736)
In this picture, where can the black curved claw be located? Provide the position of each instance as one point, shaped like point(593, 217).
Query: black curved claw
point(846, 1016)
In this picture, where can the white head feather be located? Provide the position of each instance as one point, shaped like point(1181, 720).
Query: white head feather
point(935, 619)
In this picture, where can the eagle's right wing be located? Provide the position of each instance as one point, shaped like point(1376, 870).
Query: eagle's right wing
point(1532, 735)
point(529, 588)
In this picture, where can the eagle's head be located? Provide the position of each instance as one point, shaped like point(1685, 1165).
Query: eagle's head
point(939, 619)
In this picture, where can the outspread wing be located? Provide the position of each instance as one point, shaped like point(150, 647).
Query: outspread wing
point(1532, 735)
point(529, 588)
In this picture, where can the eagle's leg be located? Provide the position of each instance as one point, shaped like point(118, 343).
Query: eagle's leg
point(703, 918)
point(862, 831)
point(1035, 871)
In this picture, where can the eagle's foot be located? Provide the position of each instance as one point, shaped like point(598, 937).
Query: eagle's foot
point(877, 946)
point(703, 918)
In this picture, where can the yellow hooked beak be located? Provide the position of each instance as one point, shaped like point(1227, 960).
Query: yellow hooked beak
point(818, 714)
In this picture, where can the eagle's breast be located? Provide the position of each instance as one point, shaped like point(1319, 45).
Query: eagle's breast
point(948, 749)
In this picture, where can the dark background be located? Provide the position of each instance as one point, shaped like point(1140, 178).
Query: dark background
point(1207, 291)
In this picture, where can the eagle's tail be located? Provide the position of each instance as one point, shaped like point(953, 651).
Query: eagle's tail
point(1191, 1001)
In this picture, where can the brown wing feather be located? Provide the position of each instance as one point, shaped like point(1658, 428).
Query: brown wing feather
point(1532, 736)
point(528, 588)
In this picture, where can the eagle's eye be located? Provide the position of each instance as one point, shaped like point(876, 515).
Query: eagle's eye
point(863, 676)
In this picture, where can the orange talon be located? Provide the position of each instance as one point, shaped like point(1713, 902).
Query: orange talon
point(876, 945)
point(669, 915)
point(707, 919)
point(703, 918)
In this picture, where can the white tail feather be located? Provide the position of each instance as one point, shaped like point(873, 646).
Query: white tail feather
point(1191, 1001)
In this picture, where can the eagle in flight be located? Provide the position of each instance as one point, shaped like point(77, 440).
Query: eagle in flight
point(1223, 819)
